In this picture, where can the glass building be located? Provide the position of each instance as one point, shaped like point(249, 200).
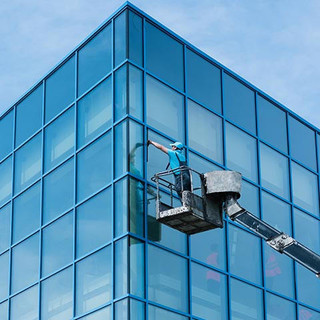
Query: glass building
point(78, 235)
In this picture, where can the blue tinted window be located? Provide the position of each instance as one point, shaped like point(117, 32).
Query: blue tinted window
point(137, 267)
point(56, 296)
point(6, 134)
point(167, 282)
point(29, 115)
point(5, 180)
point(239, 105)
point(4, 281)
point(121, 267)
point(25, 263)
point(135, 38)
point(102, 314)
point(272, 124)
point(60, 89)
point(94, 167)
point(27, 164)
point(155, 313)
point(250, 198)
point(242, 248)
point(4, 310)
point(57, 244)
point(121, 94)
point(209, 293)
point(129, 309)
point(26, 213)
point(120, 38)
point(241, 152)
point(94, 217)
point(246, 301)
point(25, 305)
point(274, 171)
point(135, 92)
point(93, 281)
point(164, 56)
point(59, 139)
point(95, 112)
point(305, 313)
point(280, 309)
point(302, 143)
point(165, 109)
point(207, 137)
point(121, 207)
point(305, 189)
point(5, 227)
point(58, 185)
point(94, 60)
point(203, 81)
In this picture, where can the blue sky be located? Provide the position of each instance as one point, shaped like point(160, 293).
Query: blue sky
point(273, 44)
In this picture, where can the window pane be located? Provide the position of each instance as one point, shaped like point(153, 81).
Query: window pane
point(29, 115)
point(5, 180)
point(137, 267)
point(120, 38)
point(121, 207)
point(246, 301)
point(302, 143)
point(250, 198)
point(5, 227)
point(94, 217)
point(57, 244)
point(204, 81)
point(4, 281)
point(4, 310)
point(308, 314)
point(93, 281)
point(120, 93)
point(94, 168)
point(25, 306)
point(241, 152)
point(280, 309)
point(135, 92)
point(305, 189)
point(242, 248)
point(239, 105)
point(135, 38)
point(60, 88)
point(6, 134)
point(209, 293)
point(121, 267)
point(167, 282)
point(132, 309)
point(155, 313)
point(94, 60)
point(59, 139)
point(25, 263)
point(95, 112)
point(58, 185)
point(26, 213)
point(274, 171)
point(272, 124)
point(56, 296)
point(164, 56)
point(27, 164)
point(103, 314)
point(207, 137)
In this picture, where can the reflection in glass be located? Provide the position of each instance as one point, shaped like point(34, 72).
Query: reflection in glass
point(280, 309)
point(305, 313)
point(135, 38)
point(4, 310)
point(4, 281)
point(5, 180)
point(134, 311)
point(5, 227)
point(155, 313)
point(102, 314)
point(6, 134)
point(121, 267)
point(250, 198)
point(120, 96)
point(137, 267)
point(120, 38)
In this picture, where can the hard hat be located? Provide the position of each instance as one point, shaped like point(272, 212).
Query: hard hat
point(177, 144)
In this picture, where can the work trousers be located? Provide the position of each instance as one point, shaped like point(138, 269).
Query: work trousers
point(183, 184)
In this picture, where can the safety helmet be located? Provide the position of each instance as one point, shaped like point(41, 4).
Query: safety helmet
point(177, 144)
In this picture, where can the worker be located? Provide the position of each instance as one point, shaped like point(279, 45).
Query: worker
point(176, 160)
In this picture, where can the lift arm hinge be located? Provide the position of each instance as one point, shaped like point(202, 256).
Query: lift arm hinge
point(281, 242)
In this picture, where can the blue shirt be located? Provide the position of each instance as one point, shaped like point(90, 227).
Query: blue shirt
point(173, 161)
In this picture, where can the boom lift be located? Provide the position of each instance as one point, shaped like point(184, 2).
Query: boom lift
point(220, 191)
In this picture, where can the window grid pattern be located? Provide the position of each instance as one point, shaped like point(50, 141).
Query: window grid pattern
point(228, 304)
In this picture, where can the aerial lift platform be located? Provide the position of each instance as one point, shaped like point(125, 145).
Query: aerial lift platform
point(220, 191)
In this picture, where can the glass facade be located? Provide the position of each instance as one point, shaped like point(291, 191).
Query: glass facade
point(78, 234)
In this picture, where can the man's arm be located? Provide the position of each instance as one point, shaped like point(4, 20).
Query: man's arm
point(158, 145)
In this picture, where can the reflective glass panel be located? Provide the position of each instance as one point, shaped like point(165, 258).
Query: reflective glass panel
point(60, 89)
point(57, 244)
point(135, 92)
point(280, 309)
point(120, 38)
point(209, 293)
point(94, 60)
point(93, 281)
point(6, 134)
point(305, 189)
point(59, 140)
point(94, 217)
point(244, 248)
point(58, 185)
point(29, 115)
point(94, 167)
point(239, 104)
point(121, 94)
point(164, 56)
point(25, 263)
point(121, 267)
point(274, 171)
point(203, 81)
point(26, 213)
point(129, 309)
point(165, 109)
point(56, 296)
point(121, 207)
point(241, 152)
point(4, 275)
point(5, 180)
point(25, 306)
point(95, 112)
point(102, 314)
point(167, 282)
point(4, 310)
point(308, 314)
point(137, 267)
point(272, 124)
point(302, 143)
point(5, 227)
point(207, 137)
point(155, 313)
point(135, 38)
point(27, 164)
point(250, 198)
point(246, 301)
